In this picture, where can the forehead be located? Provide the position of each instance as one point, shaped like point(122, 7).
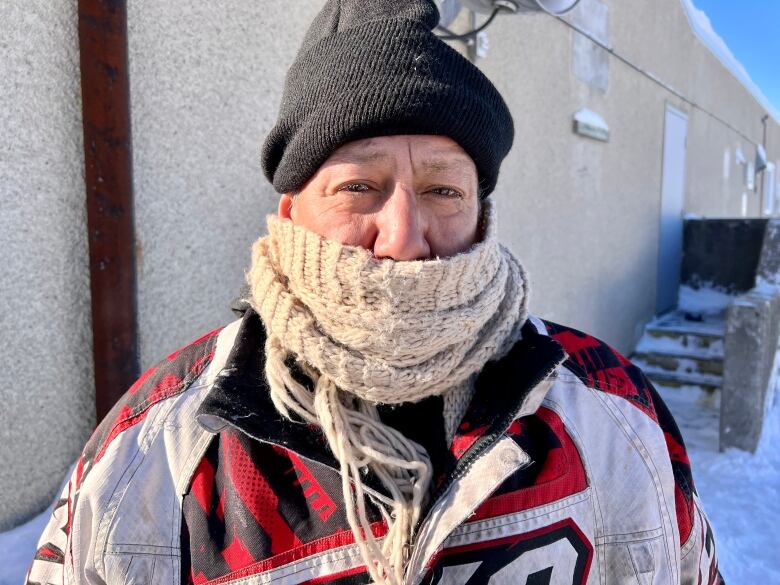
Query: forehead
point(437, 152)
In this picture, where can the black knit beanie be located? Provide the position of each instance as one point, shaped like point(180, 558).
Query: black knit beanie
point(374, 68)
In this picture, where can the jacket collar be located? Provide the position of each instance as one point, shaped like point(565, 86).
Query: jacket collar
point(504, 390)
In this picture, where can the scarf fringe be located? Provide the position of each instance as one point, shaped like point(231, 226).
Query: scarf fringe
point(358, 439)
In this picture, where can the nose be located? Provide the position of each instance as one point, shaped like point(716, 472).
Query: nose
point(401, 228)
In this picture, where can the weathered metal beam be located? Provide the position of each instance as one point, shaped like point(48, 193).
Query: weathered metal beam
point(108, 177)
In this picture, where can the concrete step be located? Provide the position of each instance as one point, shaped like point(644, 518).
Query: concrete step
point(671, 342)
point(676, 382)
point(710, 325)
point(677, 351)
point(677, 372)
point(687, 364)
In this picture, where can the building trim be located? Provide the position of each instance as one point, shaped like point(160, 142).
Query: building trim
point(109, 197)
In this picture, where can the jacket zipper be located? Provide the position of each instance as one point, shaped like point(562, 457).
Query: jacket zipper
point(474, 452)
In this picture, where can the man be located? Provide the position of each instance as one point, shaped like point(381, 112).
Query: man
point(385, 411)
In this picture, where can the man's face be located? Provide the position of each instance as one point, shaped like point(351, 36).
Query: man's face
point(401, 197)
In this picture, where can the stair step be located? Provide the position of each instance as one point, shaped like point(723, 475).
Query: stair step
point(667, 381)
point(685, 374)
point(712, 326)
point(684, 344)
point(677, 351)
point(687, 364)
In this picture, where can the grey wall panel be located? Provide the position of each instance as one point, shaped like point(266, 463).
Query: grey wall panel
point(206, 80)
point(47, 393)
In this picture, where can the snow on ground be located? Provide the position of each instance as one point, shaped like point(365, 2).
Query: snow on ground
point(692, 345)
point(17, 547)
point(705, 299)
point(740, 492)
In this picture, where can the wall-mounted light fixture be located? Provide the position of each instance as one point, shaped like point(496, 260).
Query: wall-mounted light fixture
point(589, 123)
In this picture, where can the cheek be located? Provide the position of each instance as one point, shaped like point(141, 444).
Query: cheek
point(353, 231)
point(335, 224)
point(452, 235)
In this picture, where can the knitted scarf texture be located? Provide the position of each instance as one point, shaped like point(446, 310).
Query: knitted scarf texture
point(368, 332)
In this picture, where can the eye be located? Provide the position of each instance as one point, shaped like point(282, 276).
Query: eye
point(447, 192)
point(354, 188)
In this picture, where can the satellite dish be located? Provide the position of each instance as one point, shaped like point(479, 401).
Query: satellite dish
point(448, 10)
point(551, 6)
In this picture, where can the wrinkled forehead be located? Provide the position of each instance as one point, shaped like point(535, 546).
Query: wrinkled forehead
point(426, 152)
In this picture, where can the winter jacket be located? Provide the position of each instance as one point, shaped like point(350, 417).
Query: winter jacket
point(567, 468)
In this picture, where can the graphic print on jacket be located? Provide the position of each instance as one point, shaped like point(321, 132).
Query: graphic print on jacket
point(253, 501)
point(222, 544)
point(556, 474)
point(599, 366)
point(490, 562)
point(253, 506)
point(164, 380)
point(525, 493)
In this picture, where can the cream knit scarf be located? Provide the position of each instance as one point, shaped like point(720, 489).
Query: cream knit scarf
point(371, 332)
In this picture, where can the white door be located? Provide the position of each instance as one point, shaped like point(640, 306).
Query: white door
point(672, 199)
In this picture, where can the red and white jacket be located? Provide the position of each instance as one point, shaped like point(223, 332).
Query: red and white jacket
point(566, 469)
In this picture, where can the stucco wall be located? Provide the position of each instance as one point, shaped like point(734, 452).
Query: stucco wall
point(584, 215)
point(658, 37)
point(715, 188)
point(47, 399)
point(581, 214)
point(206, 80)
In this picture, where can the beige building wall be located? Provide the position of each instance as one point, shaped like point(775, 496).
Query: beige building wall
point(47, 407)
point(206, 79)
point(582, 214)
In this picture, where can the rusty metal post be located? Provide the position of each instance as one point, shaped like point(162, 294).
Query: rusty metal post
point(108, 177)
